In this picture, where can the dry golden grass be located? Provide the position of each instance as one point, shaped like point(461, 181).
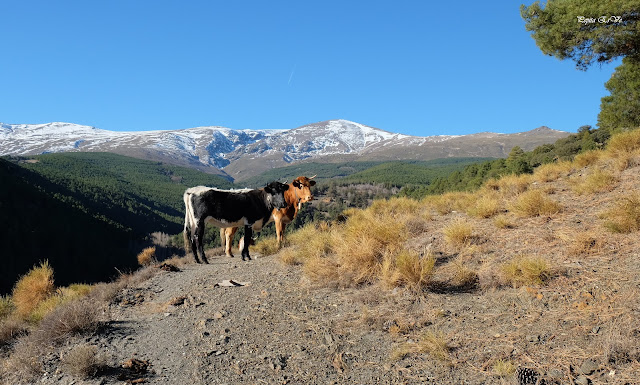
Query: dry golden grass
point(309, 242)
point(10, 329)
point(364, 240)
point(624, 216)
point(588, 158)
point(458, 233)
point(458, 274)
point(582, 243)
point(32, 288)
point(433, 343)
point(597, 181)
point(83, 361)
point(534, 203)
point(523, 270)
point(485, 207)
point(451, 201)
point(503, 222)
point(147, 256)
point(266, 246)
point(552, 171)
point(624, 149)
point(510, 185)
point(394, 207)
point(407, 269)
point(503, 368)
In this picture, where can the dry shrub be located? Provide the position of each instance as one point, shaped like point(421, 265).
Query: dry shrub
point(458, 232)
point(147, 256)
point(74, 317)
point(624, 216)
point(485, 207)
point(523, 270)
point(83, 361)
point(407, 269)
point(503, 222)
point(624, 148)
point(24, 364)
point(534, 203)
point(552, 171)
point(6, 306)
point(10, 329)
point(621, 343)
point(267, 246)
point(596, 182)
point(33, 288)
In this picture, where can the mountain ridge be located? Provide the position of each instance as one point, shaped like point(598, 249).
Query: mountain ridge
point(247, 152)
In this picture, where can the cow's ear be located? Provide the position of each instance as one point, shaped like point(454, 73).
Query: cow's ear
point(268, 189)
point(296, 184)
point(312, 183)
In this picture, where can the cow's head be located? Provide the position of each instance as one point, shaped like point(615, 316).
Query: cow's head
point(302, 186)
point(276, 194)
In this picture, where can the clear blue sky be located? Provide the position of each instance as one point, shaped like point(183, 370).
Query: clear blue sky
point(415, 67)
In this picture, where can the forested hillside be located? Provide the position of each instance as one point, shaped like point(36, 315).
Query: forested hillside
point(86, 213)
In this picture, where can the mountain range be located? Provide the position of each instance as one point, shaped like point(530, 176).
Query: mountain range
point(240, 154)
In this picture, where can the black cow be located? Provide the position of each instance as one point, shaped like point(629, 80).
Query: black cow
point(229, 208)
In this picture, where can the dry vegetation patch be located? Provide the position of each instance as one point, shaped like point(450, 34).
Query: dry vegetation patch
point(32, 289)
point(534, 203)
point(624, 216)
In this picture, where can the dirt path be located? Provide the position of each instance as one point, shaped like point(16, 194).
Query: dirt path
point(273, 330)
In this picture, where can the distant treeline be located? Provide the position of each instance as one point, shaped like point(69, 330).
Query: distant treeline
point(518, 162)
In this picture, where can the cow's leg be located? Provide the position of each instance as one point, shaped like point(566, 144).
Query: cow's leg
point(193, 242)
point(247, 240)
point(229, 233)
point(199, 241)
point(280, 231)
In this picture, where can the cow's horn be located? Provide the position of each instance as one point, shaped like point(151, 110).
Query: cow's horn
point(313, 176)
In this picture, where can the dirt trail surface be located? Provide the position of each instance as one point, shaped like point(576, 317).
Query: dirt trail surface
point(192, 329)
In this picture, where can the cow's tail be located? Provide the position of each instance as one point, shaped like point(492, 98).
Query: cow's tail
point(188, 222)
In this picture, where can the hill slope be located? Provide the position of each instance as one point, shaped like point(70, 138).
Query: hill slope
point(544, 287)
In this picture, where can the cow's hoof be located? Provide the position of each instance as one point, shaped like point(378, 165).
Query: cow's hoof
point(205, 261)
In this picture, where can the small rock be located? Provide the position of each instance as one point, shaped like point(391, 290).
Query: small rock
point(588, 367)
point(555, 374)
point(582, 380)
point(533, 338)
point(595, 330)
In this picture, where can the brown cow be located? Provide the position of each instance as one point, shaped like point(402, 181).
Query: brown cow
point(299, 192)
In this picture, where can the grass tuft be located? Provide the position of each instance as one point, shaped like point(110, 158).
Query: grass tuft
point(523, 270)
point(407, 269)
point(502, 368)
point(534, 203)
point(458, 232)
point(147, 256)
point(266, 246)
point(597, 181)
point(485, 207)
point(624, 149)
point(32, 289)
point(624, 216)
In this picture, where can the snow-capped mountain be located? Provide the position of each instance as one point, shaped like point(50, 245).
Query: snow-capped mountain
point(243, 153)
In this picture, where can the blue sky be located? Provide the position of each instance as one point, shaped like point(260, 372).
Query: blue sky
point(414, 67)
